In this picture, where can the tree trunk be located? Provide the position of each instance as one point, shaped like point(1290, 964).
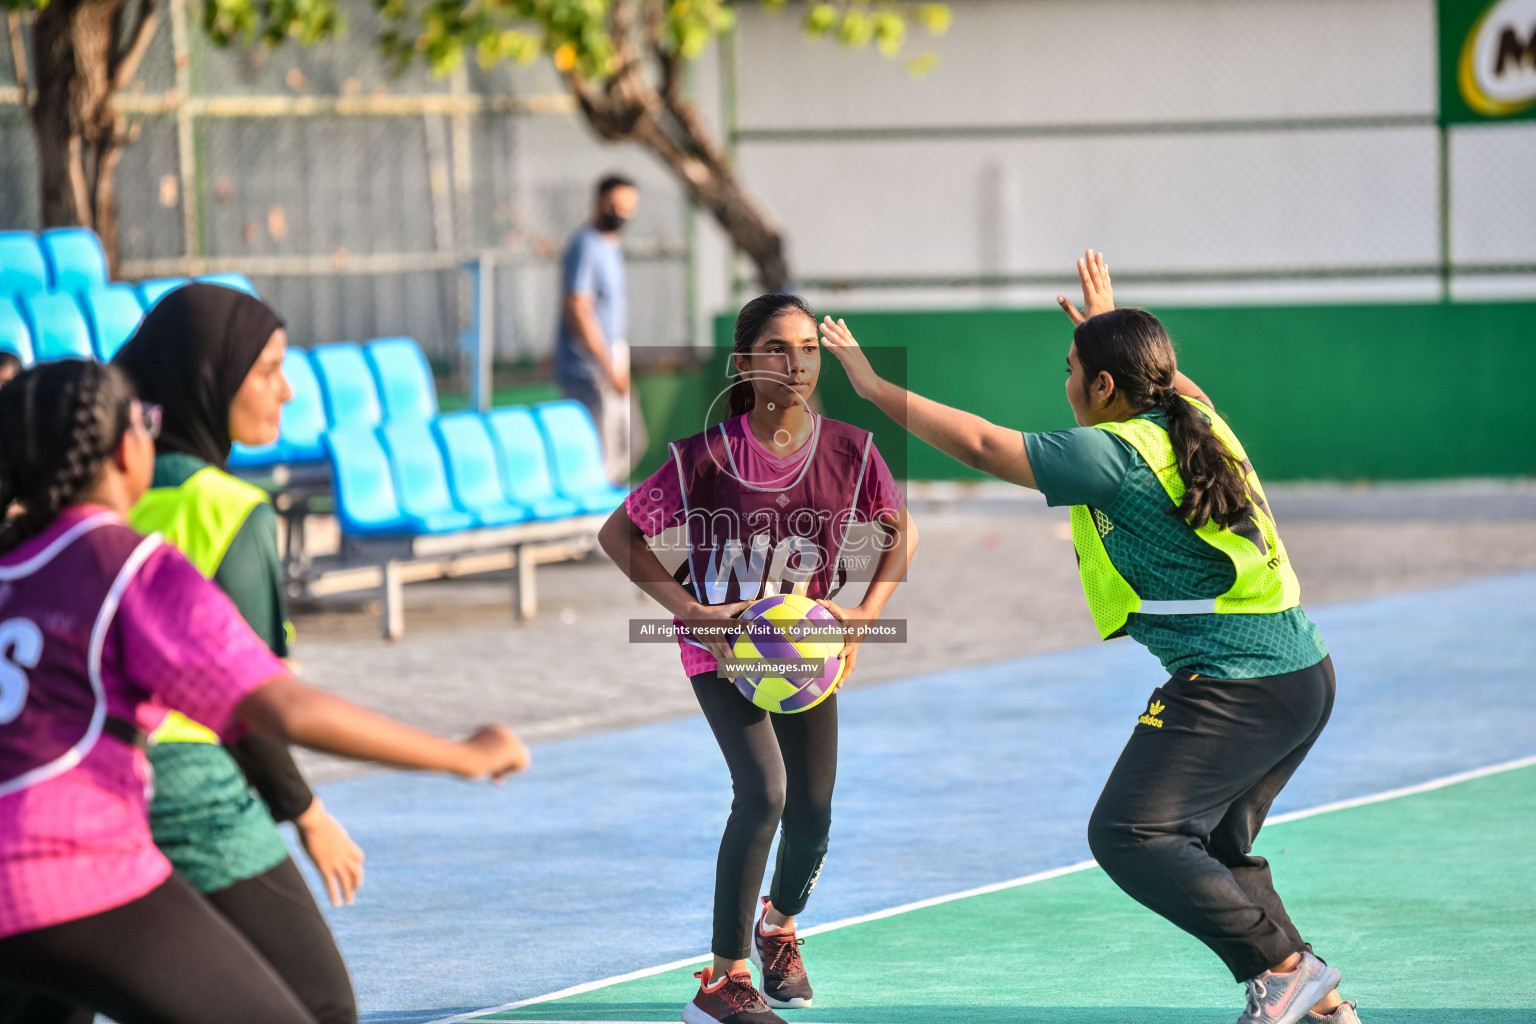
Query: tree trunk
point(76, 67)
point(629, 108)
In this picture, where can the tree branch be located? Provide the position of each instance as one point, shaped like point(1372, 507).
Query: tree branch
point(19, 56)
point(85, 210)
point(125, 61)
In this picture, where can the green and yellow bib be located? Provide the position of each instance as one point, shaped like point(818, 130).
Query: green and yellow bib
point(1264, 583)
point(201, 518)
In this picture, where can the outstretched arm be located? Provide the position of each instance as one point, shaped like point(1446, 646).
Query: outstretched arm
point(977, 442)
point(286, 707)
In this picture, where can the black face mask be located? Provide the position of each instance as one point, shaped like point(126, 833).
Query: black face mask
point(608, 221)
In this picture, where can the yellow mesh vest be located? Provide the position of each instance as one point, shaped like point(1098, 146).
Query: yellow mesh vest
point(201, 517)
point(1265, 582)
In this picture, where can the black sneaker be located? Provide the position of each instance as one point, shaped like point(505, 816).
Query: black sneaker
point(730, 1000)
point(777, 956)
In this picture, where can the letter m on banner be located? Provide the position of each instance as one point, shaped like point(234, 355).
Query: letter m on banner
point(1487, 60)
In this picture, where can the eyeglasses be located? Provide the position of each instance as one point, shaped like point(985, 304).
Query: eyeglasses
point(150, 419)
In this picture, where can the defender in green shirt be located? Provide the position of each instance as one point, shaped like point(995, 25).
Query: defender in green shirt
point(1177, 548)
point(211, 357)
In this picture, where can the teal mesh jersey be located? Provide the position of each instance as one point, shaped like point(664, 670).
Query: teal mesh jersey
point(205, 818)
point(1163, 560)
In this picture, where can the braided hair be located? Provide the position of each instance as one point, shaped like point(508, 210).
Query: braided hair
point(1134, 348)
point(59, 422)
point(751, 322)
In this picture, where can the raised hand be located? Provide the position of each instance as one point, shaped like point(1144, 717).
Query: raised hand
point(839, 340)
point(1098, 295)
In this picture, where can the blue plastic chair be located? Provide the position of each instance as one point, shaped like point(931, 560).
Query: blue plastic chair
point(113, 313)
point(22, 267)
point(231, 279)
point(472, 474)
point(152, 291)
point(15, 336)
point(421, 480)
point(302, 435)
point(75, 258)
point(524, 465)
point(351, 398)
point(363, 485)
point(403, 377)
point(576, 456)
point(59, 330)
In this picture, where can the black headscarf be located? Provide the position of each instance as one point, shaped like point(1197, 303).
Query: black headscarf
point(190, 355)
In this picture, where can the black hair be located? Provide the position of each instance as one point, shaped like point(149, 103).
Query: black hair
point(1133, 347)
point(59, 421)
point(610, 182)
point(753, 319)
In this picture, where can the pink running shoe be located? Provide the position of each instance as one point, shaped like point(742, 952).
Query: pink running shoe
point(728, 1000)
point(777, 954)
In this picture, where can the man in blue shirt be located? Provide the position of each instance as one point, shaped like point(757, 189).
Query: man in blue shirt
point(592, 351)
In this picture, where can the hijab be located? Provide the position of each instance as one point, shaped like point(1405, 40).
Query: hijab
point(190, 355)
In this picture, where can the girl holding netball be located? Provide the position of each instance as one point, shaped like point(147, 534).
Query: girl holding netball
point(1177, 549)
point(102, 632)
point(766, 500)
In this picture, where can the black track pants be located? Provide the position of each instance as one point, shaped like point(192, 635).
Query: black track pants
point(278, 915)
point(1180, 811)
point(782, 767)
point(166, 958)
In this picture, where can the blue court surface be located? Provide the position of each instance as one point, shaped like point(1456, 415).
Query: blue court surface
point(600, 861)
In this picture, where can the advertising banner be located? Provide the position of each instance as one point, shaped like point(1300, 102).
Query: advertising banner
point(1487, 60)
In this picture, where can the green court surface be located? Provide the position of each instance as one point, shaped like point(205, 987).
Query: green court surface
point(1424, 901)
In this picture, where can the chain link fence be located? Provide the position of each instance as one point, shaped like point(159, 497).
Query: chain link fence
point(1220, 151)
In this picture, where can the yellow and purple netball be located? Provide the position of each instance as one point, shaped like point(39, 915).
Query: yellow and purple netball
point(775, 629)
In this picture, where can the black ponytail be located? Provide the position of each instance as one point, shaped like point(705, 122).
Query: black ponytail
point(753, 319)
point(1135, 350)
point(59, 422)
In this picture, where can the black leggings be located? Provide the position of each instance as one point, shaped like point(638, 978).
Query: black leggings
point(277, 913)
point(782, 767)
point(1178, 816)
point(274, 913)
point(166, 958)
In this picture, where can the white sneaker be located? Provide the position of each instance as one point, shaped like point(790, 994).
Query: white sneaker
point(1287, 998)
point(1345, 1014)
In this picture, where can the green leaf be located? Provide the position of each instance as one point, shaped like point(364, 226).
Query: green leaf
point(820, 20)
point(856, 29)
point(935, 18)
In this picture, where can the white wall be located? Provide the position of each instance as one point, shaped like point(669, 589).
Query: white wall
point(1052, 81)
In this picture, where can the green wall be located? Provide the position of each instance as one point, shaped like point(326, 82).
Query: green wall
point(1378, 392)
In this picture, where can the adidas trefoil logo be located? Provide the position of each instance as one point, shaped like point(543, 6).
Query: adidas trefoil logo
point(1150, 718)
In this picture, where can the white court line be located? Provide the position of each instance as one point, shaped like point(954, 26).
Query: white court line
point(1041, 876)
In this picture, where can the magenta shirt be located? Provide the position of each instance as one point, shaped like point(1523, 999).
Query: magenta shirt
point(657, 503)
point(78, 844)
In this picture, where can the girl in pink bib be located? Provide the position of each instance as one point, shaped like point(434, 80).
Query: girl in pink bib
point(102, 632)
point(773, 500)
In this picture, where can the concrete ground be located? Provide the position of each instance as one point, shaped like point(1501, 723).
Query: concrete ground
point(994, 579)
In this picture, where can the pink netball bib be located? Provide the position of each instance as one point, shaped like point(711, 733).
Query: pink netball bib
point(748, 539)
point(55, 610)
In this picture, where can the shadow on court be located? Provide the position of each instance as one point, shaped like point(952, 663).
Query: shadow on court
point(634, 1013)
